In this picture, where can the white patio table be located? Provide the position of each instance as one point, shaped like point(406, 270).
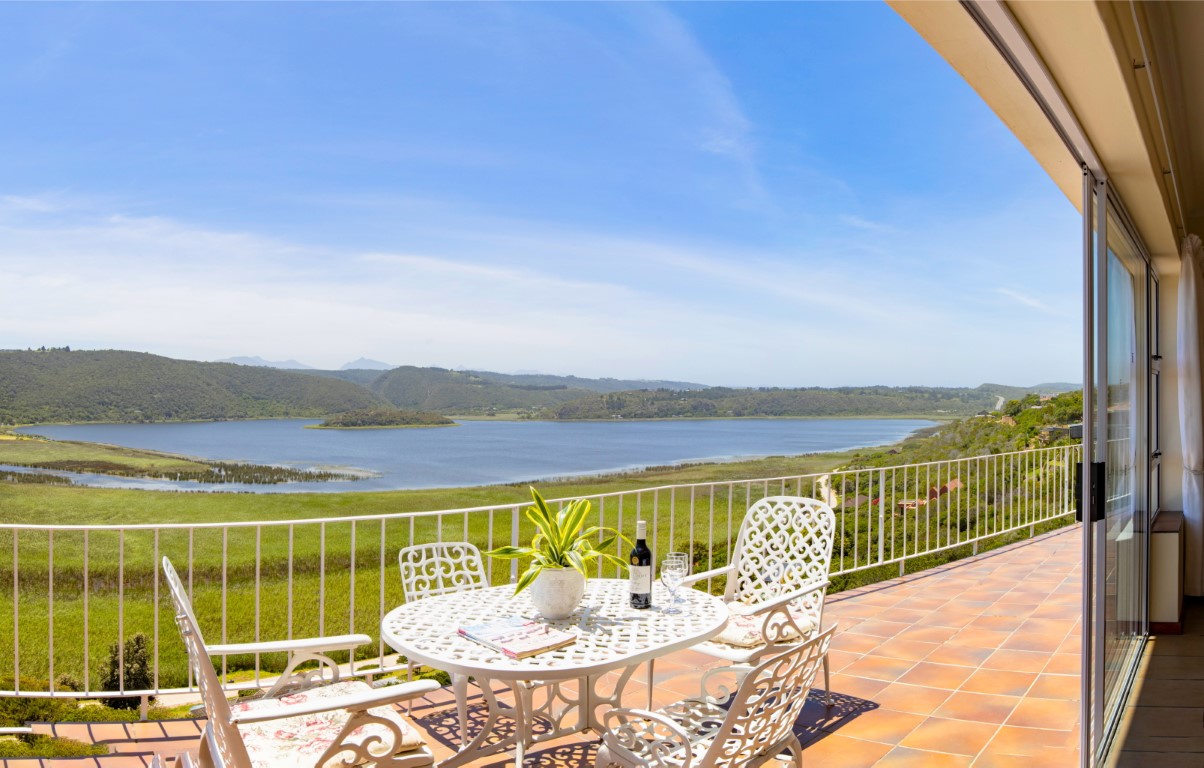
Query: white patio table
point(611, 635)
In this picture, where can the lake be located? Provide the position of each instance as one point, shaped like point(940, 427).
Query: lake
point(474, 452)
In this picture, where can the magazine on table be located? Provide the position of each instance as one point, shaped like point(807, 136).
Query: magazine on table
point(517, 636)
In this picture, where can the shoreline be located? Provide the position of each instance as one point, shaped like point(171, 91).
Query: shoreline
point(142, 465)
point(383, 426)
point(517, 418)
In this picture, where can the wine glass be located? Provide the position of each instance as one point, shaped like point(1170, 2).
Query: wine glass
point(674, 569)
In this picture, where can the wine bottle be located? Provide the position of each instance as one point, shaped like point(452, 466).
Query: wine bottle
point(641, 569)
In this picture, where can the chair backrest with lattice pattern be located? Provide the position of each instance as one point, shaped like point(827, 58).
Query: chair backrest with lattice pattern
point(222, 744)
point(436, 569)
point(763, 711)
point(785, 543)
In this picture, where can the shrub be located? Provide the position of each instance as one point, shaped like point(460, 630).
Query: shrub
point(39, 745)
point(17, 711)
point(134, 656)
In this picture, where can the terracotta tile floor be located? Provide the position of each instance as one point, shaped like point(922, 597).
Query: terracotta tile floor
point(974, 663)
point(1164, 719)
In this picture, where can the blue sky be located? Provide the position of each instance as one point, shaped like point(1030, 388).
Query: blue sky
point(786, 194)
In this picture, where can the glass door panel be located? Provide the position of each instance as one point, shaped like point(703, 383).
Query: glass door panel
point(1120, 544)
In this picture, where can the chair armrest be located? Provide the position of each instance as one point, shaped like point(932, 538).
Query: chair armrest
point(711, 685)
point(779, 623)
point(629, 728)
point(697, 577)
point(778, 602)
point(331, 643)
point(353, 702)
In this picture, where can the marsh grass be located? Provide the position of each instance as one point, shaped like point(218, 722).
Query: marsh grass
point(279, 577)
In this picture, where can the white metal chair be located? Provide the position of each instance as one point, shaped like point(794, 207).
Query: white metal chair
point(440, 568)
point(436, 569)
point(776, 580)
point(300, 651)
point(331, 726)
point(724, 729)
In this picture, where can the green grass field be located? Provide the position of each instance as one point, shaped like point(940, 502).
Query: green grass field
point(343, 574)
point(122, 568)
point(31, 451)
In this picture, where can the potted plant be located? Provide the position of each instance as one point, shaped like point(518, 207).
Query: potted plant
point(559, 552)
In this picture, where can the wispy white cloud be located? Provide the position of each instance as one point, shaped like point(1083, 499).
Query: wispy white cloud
point(857, 222)
point(30, 203)
point(727, 131)
point(1023, 299)
point(516, 295)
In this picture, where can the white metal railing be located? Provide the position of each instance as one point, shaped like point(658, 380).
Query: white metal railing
point(76, 591)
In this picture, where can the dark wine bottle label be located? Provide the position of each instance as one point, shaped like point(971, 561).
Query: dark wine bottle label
point(640, 570)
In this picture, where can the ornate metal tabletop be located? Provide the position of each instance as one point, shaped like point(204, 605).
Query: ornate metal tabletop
point(610, 633)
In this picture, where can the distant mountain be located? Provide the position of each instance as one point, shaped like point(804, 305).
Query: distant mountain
point(366, 364)
point(291, 365)
point(576, 382)
point(57, 385)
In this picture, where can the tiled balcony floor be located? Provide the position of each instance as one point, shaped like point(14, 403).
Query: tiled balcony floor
point(1163, 724)
point(975, 663)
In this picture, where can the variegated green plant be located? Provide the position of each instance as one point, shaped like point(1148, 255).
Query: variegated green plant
point(561, 540)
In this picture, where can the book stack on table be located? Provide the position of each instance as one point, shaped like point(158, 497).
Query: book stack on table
point(518, 637)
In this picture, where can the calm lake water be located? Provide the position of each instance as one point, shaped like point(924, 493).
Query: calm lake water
point(475, 452)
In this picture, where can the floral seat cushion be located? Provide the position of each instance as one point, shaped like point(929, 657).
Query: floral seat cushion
point(744, 631)
point(298, 741)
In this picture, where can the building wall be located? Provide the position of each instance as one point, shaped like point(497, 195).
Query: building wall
point(1168, 423)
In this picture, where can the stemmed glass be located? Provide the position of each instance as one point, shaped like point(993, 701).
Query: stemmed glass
point(674, 569)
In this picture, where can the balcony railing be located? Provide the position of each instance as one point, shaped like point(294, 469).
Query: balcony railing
point(75, 592)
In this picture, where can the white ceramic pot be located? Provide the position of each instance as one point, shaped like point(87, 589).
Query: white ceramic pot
point(556, 592)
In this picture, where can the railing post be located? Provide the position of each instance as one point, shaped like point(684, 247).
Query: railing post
point(881, 515)
point(514, 542)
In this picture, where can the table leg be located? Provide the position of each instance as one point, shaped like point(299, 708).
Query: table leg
point(524, 719)
point(460, 688)
point(593, 698)
point(471, 751)
point(651, 677)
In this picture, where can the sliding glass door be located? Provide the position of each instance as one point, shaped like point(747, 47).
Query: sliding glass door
point(1117, 404)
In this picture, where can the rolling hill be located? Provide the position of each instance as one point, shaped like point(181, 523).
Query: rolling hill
point(483, 392)
point(60, 385)
point(725, 402)
point(548, 381)
point(443, 391)
point(55, 385)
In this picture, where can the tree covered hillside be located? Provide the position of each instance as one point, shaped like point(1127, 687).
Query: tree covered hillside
point(724, 402)
point(1029, 422)
point(56, 385)
point(460, 392)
